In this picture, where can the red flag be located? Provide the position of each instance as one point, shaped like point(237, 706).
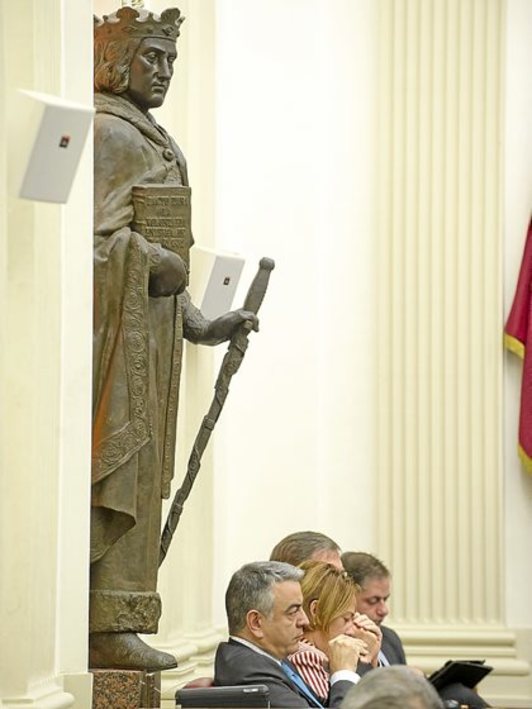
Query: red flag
point(518, 339)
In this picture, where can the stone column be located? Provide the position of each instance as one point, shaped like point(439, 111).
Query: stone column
point(439, 420)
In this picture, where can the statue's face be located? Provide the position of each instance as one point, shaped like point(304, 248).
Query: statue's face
point(150, 72)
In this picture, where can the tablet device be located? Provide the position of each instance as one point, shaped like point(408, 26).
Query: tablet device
point(467, 672)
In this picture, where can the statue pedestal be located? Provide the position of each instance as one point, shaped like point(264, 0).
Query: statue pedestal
point(126, 689)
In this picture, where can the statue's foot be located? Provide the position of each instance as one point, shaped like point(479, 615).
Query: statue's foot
point(126, 651)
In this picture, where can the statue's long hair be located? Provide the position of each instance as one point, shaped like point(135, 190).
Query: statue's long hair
point(112, 61)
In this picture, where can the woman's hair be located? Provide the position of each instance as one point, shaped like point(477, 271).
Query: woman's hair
point(112, 61)
point(333, 590)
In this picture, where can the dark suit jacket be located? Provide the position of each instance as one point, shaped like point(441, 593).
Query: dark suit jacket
point(237, 664)
point(392, 647)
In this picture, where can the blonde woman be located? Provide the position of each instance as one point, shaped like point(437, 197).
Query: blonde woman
point(329, 601)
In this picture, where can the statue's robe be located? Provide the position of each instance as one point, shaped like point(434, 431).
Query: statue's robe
point(136, 370)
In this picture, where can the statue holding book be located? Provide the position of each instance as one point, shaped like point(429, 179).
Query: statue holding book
point(142, 312)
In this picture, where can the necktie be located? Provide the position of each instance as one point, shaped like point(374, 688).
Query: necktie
point(383, 660)
point(296, 679)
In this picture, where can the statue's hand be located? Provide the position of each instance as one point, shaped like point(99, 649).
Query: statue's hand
point(168, 276)
point(157, 175)
point(224, 327)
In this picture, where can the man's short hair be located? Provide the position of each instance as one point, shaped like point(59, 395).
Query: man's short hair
point(362, 566)
point(394, 687)
point(301, 546)
point(251, 588)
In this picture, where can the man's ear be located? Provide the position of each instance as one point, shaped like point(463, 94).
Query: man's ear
point(254, 623)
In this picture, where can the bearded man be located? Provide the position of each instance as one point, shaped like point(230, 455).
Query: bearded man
point(141, 314)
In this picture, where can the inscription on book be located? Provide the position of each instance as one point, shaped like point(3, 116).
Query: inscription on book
point(163, 215)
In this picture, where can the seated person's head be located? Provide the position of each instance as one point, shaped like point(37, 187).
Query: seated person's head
point(374, 582)
point(264, 606)
point(303, 546)
point(394, 687)
point(329, 601)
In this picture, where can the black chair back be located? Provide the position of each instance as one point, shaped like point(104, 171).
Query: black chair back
point(238, 696)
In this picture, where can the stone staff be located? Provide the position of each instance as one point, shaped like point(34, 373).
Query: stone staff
point(230, 365)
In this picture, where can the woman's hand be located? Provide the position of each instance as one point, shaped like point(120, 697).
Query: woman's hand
point(370, 633)
point(345, 652)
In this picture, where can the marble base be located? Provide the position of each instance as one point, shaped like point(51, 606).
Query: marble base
point(126, 689)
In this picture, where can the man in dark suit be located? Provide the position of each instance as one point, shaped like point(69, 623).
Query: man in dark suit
point(266, 619)
point(391, 647)
point(374, 581)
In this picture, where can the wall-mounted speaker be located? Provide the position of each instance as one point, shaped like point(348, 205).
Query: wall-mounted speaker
point(54, 135)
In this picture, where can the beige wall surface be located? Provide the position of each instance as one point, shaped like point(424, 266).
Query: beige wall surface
point(279, 107)
point(294, 182)
point(45, 375)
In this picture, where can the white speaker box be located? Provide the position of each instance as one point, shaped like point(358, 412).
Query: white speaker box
point(55, 131)
point(214, 278)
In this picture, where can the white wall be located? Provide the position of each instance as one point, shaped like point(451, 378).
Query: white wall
point(76, 362)
point(294, 182)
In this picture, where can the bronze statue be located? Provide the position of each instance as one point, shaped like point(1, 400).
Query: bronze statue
point(142, 311)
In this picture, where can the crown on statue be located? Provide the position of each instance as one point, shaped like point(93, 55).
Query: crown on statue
point(128, 23)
